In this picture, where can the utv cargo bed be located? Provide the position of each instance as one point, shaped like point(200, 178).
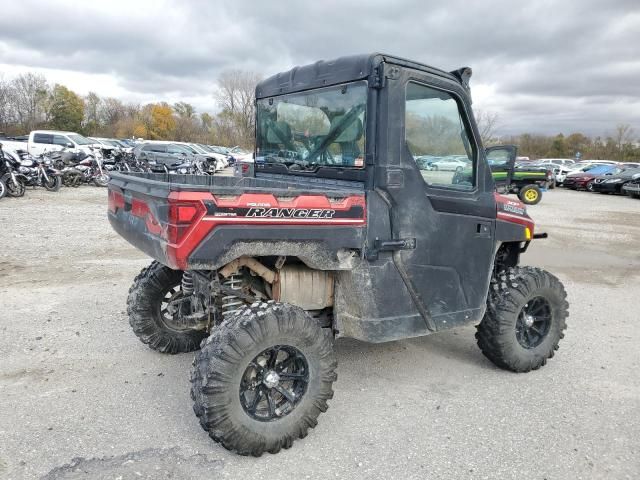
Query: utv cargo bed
point(198, 222)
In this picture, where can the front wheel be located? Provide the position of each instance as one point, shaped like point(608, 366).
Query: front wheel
point(525, 319)
point(530, 194)
point(3, 189)
point(14, 188)
point(151, 315)
point(53, 183)
point(101, 180)
point(590, 186)
point(262, 378)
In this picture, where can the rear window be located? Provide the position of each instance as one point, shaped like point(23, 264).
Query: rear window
point(45, 138)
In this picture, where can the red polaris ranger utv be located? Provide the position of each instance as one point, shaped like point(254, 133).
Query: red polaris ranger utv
point(344, 230)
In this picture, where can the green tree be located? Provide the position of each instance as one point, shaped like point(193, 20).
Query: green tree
point(184, 110)
point(66, 109)
point(558, 147)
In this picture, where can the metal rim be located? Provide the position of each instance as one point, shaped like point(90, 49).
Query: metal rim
point(534, 322)
point(166, 315)
point(531, 195)
point(274, 383)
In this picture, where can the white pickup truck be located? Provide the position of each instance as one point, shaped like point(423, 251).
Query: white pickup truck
point(42, 141)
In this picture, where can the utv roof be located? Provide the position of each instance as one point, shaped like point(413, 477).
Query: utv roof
point(344, 69)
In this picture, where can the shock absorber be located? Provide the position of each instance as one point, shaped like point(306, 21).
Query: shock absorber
point(230, 303)
point(187, 283)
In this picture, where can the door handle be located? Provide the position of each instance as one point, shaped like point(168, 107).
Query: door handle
point(483, 230)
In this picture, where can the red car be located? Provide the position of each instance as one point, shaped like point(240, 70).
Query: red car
point(585, 180)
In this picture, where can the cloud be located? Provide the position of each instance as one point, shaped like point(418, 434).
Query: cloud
point(543, 66)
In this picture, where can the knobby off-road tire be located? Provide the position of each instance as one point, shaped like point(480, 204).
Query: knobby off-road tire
point(223, 398)
point(502, 335)
point(144, 307)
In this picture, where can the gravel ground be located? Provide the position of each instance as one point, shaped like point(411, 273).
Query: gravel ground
point(81, 397)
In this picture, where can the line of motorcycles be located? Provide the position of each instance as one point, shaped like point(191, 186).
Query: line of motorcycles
point(54, 169)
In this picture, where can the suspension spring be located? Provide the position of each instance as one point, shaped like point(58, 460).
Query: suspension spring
point(187, 283)
point(231, 303)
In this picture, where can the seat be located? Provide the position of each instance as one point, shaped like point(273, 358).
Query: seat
point(348, 140)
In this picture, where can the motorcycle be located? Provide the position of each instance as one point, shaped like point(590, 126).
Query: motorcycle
point(39, 172)
point(92, 172)
point(9, 175)
point(66, 162)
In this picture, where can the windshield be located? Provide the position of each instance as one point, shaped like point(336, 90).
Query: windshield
point(80, 140)
point(323, 127)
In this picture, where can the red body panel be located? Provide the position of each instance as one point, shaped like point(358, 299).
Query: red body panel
point(193, 215)
point(513, 211)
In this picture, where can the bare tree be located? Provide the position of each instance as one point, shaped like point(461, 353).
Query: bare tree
point(487, 122)
point(6, 107)
point(29, 92)
point(92, 113)
point(622, 135)
point(112, 110)
point(236, 96)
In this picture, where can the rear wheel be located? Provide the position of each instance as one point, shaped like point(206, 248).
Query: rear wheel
point(530, 194)
point(72, 178)
point(262, 378)
point(525, 319)
point(151, 315)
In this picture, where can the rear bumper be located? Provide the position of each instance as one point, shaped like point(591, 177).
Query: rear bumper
point(133, 230)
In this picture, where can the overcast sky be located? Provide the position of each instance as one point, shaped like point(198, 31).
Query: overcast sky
point(543, 66)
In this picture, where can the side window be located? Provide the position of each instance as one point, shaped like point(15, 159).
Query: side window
point(60, 140)
point(146, 148)
point(498, 160)
point(43, 138)
point(174, 149)
point(438, 139)
point(159, 148)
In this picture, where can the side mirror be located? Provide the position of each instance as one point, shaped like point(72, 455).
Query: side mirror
point(69, 145)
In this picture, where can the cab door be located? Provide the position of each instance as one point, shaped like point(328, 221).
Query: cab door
point(501, 160)
point(442, 210)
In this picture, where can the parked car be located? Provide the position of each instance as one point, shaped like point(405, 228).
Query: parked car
point(222, 159)
point(585, 180)
point(631, 164)
point(167, 153)
point(556, 161)
point(614, 183)
point(41, 141)
point(632, 188)
point(451, 164)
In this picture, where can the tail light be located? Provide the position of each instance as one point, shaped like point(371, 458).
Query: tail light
point(181, 217)
point(116, 201)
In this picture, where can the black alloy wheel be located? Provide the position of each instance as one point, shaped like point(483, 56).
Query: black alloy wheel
point(274, 383)
point(533, 322)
